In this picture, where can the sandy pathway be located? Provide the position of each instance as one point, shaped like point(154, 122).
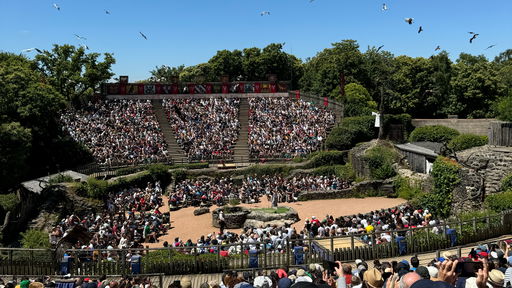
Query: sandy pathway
point(187, 226)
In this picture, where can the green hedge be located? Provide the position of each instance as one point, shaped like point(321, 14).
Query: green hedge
point(445, 174)
point(135, 169)
point(506, 183)
point(265, 169)
point(344, 172)
point(352, 130)
point(9, 202)
point(35, 239)
point(380, 160)
point(505, 109)
point(407, 188)
point(322, 158)
point(466, 141)
point(434, 133)
point(499, 202)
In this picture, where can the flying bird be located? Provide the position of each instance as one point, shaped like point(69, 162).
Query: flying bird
point(473, 38)
point(409, 20)
point(438, 48)
point(32, 49)
point(380, 47)
point(471, 33)
point(490, 46)
point(143, 36)
point(384, 7)
point(263, 13)
point(56, 6)
point(80, 37)
point(420, 29)
point(107, 12)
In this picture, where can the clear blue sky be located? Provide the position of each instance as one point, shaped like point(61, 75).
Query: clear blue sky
point(191, 31)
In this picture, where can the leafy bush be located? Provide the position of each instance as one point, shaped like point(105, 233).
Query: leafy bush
point(158, 171)
point(35, 239)
point(351, 131)
point(344, 172)
point(466, 141)
point(505, 109)
point(445, 174)
point(96, 188)
point(506, 183)
point(130, 170)
point(60, 178)
point(234, 201)
point(265, 169)
point(499, 202)
point(380, 160)
point(322, 158)
point(9, 202)
point(434, 133)
point(407, 188)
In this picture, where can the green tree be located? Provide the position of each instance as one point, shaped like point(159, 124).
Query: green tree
point(322, 72)
point(74, 73)
point(475, 87)
point(26, 99)
point(227, 62)
point(15, 142)
point(165, 74)
point(358, 101)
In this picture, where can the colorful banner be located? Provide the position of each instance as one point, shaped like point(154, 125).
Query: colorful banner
point(149, 89)
point(191, 88)
point(209, 88)
point(225, 88)
point(140, 89)
point(249, 88)
point(132, 89)
point(265, 88)
point(200, 89)
point(175, 89)
point(257, 87)
point(273, 88)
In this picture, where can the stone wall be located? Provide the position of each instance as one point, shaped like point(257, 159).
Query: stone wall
point(383, 188)
point(473, 126)
point(482, 170)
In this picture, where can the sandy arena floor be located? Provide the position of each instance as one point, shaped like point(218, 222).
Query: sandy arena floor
point(187, 226)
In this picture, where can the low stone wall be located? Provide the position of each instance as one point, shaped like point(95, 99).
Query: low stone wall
point(473, 126)
point(383, 188)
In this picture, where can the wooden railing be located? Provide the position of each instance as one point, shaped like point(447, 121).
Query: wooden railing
point(189, 260)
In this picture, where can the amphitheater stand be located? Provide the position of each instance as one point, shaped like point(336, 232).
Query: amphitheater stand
point(176, 154)
point(242, 145)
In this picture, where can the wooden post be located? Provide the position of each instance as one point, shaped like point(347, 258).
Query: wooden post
point(31, 262)
point(461, 234)
point(288, 252)
point(428, 237)
point(123, 265)
point(352, 246)
point(196, 260)
point(332, 248)
point(161, 281)
point(218, 256)
point(264, 256)
point(438, 254)
point(459, 252)
point(373, 255)
point(242, 255)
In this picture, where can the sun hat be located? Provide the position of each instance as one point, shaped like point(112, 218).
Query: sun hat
point(373, 278)
point(496, 277)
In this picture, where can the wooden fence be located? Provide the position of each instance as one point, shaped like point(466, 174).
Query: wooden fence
point(190, 260)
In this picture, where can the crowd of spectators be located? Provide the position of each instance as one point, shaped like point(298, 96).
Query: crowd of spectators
point(285, 128)
point(205, 128)
point(486, 266)
point(131, 217)
point(202, 191)
point(118, 131)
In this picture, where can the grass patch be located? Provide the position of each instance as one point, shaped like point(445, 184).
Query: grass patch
point(278, 210)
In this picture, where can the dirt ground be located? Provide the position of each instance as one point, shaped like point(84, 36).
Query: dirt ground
point(187, 226)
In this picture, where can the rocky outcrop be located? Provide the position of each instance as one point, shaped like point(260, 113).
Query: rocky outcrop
point(374, 188)
point(238, 217)
point(482, 170)
point(201, 211)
